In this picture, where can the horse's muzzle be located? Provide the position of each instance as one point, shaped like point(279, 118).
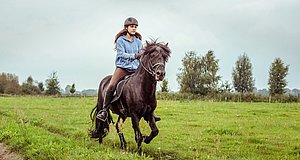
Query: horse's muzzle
point(160, 75)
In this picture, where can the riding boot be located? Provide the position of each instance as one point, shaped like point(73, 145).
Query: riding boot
point(102, 114)
point(156, 118)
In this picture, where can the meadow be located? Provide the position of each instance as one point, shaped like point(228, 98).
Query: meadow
point(57, 128)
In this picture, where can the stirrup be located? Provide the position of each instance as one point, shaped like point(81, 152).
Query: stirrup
point(100, 118)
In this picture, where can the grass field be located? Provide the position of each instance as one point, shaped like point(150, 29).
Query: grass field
point(56, 128)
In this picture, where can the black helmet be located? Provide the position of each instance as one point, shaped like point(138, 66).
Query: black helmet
point(130, 21)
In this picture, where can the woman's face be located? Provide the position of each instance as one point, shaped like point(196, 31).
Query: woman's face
point(132, 29)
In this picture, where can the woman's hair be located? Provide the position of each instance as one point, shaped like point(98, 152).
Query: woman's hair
point(124, 32)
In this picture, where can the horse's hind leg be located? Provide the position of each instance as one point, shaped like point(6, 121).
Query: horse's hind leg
point(119, 127)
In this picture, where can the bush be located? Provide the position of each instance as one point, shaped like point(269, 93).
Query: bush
point(283, 98)
point(228, 97)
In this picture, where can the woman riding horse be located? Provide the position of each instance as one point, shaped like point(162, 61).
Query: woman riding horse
point(128, 45)
point(136, 96)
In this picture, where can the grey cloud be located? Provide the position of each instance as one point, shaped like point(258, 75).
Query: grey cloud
point(76, 37)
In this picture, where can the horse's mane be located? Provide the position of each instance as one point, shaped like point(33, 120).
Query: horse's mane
point(154, 45)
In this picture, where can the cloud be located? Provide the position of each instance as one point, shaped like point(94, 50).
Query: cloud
point(76, 38)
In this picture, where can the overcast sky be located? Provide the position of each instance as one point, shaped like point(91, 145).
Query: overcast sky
point(75, 37)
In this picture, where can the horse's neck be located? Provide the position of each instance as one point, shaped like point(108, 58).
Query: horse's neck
point(149, 84)
point(147, 81)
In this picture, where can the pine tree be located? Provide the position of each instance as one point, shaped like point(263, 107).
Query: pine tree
point(73, 90)
point(242, 75)
point(277, 82)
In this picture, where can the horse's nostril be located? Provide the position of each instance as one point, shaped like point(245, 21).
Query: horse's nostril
point(158, 73)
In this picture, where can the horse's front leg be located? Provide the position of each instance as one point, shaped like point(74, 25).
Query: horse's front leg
point(154, 130)
point(138, 135)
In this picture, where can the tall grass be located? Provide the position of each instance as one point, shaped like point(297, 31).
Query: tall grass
point(57, 128)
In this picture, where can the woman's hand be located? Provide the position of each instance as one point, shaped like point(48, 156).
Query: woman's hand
point(138, 55)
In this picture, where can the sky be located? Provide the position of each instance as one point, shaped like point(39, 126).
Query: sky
point(75, 38)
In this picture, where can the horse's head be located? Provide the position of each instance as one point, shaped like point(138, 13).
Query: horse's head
point(154, 59)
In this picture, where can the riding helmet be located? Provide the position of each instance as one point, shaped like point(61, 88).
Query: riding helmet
point(131, 21)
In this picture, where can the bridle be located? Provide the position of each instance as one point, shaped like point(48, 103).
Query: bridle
point(153, 68)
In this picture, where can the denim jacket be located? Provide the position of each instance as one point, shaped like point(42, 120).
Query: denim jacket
point(126, 51)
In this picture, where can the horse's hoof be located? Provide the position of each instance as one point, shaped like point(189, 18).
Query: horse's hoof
point(95, 134)
point(140, 152)
point(124, 148)
point(100, 140)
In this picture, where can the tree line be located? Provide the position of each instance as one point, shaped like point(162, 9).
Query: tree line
point(9, 84)
point(199, 76)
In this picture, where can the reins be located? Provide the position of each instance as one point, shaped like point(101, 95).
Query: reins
point(152, 70)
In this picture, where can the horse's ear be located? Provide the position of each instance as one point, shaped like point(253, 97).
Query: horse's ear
point(167, 44)
point(147, 43)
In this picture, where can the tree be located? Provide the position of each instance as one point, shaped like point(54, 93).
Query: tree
point(73, 90)
point(164, 86)
point(30, 80)
point(52, 85)
point(189, 77)
point(9, 83)
point(41, 86)
point(242, 75)
point(199, 73)
point(210, 70)
point(29, 87)
point(277, 82)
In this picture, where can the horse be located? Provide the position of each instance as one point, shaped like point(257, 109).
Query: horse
point(137, 98)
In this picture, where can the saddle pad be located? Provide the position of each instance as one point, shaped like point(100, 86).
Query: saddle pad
point(119, 89)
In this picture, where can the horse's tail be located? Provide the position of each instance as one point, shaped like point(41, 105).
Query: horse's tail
point(93, 131)
point(93, 113)
point(101, 128)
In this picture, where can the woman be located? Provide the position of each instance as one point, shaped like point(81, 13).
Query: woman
point(128, 45)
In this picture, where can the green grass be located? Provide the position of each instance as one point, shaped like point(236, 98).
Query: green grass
point(57, 128)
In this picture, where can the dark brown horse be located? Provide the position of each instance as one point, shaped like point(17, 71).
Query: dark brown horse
point(137, 99)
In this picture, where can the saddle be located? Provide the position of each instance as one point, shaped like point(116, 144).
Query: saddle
point(119, 88)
